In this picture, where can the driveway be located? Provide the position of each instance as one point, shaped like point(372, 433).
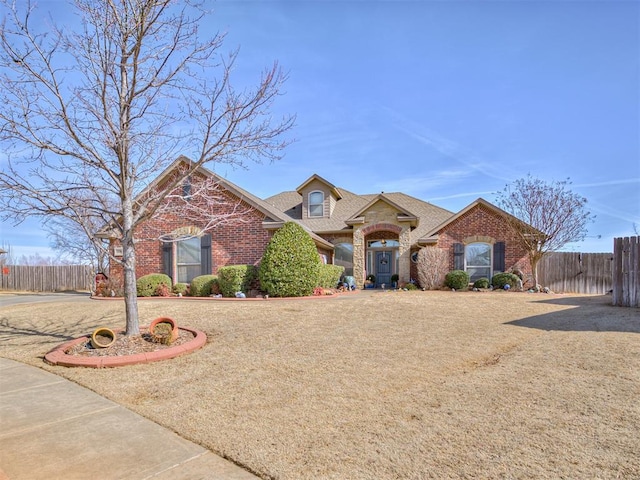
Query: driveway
point(15, 298)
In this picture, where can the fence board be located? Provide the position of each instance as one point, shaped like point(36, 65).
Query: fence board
point(50, 278)
point(572, 272)
point(626, 272)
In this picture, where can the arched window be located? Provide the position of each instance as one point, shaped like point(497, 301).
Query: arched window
point(316, 204)
point(343, 256)
point(477, 260)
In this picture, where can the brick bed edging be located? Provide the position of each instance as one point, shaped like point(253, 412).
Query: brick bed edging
point(233, 299)
point(57, 356)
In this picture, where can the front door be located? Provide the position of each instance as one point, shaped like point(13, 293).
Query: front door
point(383, 268)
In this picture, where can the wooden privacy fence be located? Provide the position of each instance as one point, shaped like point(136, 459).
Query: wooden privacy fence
point(626, 272)
point(571, 272)
point(57, 278)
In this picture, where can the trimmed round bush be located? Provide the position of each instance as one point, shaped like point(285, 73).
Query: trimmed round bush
point(457, 279)
point(482, 283)
point(499, 280)
point(290, 265)
point(202, 286)
point(147, 285)
point(329, 275)
point(180, 288)
point(235, 278)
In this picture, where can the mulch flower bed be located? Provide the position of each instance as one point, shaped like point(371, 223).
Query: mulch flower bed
point(127, 345)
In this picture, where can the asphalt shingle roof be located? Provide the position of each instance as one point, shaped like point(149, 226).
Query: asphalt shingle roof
point(430, 215)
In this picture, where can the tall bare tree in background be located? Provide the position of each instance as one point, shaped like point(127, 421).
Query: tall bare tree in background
point(552, 214)
point(89, 116)
point(70, 238)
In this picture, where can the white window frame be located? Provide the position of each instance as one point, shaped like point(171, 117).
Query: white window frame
point(180, 278)
point(316, 204)
point(490, 266)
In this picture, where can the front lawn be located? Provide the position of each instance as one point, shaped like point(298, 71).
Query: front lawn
point(379, 385)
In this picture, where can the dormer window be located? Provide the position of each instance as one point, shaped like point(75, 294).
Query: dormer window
point(316, 204)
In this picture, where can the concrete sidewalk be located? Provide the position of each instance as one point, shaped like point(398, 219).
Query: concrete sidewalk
point(55, 429)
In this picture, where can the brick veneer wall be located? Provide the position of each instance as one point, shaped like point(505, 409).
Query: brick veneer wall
point(239, 242)
point(480, 221)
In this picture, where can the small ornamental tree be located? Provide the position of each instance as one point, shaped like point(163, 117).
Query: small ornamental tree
point(290, 265)
point(544, 216)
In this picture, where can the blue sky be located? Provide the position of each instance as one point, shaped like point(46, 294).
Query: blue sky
point(446, 101)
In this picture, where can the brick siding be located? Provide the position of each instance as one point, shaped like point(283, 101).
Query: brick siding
point(480, 220)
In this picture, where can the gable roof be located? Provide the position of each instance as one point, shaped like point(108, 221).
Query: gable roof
point(334, 190)
point(381, 197)
point(274, 218)
point(351, 206)
point(432, 235)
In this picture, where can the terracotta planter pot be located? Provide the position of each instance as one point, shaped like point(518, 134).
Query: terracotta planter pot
point(161, 338)
point(102, 337)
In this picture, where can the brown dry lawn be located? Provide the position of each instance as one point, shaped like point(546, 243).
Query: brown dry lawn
point(411, 385)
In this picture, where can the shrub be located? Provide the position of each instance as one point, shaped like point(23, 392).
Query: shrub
point(290, 265)
point(482, 283)
point(457, 279)
point(147, 285)
point(432, 265)
point(163, 290)
point(394, 278)
point(329, 275)
point(110, 288)
point(235, 278)
point(499, 280)
point(181, 289)
point(411, 286)
point(202, 286)
point(371, 278)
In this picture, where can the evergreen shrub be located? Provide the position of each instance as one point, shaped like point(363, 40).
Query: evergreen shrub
point(202, 286)
point(499, 280)
point(236, 278)
point(147, 285)
point(290, 265)
point(457, 279)
point(482, 283)
point(329, 275)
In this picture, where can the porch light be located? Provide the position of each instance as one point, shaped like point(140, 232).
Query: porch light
point(383, 242)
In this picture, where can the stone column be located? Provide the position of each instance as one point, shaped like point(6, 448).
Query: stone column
point(404, 250)
point(358, 257)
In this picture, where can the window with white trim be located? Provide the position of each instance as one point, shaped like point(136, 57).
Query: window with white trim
point(316, 204)
point(188, 259)
point(478, 260)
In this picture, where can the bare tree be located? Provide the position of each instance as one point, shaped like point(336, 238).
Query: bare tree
point(543, 216)
point(90, 117)
point(432, 267)
point(71, 238)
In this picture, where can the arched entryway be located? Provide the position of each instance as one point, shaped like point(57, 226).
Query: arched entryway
point(382, 260)
point(382, 254)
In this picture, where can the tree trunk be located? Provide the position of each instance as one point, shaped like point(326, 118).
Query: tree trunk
point(129, 267)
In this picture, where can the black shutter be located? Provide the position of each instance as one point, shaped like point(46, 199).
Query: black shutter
point(458, 256)
point(498, 257)
point(167, 258)
point(205, 254)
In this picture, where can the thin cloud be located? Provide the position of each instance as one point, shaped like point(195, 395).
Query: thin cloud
point(413, 184)
point(608, 183)
point(447, 147)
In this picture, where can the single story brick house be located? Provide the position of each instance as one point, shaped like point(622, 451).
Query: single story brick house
point(372, 234)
